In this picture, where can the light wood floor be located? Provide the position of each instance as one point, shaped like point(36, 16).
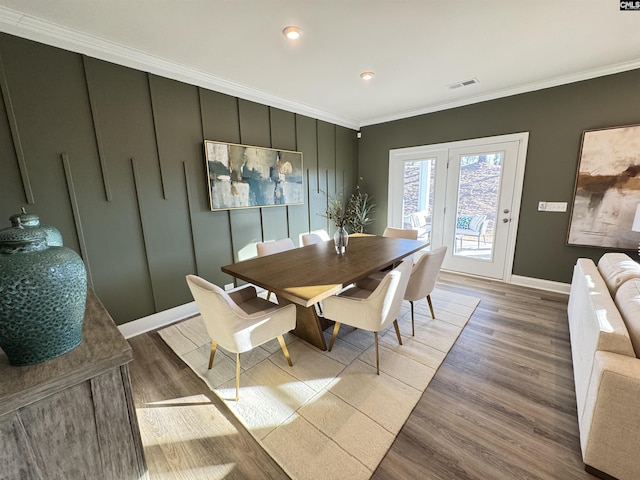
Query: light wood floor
point(502, 405)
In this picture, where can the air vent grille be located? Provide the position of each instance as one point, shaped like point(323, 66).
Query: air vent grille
point(466, 83)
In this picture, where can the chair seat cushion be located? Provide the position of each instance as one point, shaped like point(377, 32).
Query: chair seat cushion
point(257, 304)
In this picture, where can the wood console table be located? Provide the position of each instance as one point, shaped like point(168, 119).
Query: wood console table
point(73, 416)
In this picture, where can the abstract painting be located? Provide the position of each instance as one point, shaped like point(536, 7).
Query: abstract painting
point(244, 176)
point(607, 189)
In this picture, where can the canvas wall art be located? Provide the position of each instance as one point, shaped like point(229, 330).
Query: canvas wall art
point(607, 190)
point(245, 176)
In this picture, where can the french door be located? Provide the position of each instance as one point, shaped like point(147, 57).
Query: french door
point(465, 195)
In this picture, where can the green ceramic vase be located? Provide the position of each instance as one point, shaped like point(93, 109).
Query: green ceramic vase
point(43, 292)
point(31, 220)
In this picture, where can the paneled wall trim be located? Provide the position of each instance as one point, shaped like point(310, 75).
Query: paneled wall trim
point(114, 158)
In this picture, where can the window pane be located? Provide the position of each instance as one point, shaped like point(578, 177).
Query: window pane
point(478, 193)
point(417, 201)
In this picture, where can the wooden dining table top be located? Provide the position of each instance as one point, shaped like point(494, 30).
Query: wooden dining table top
point(308, 274)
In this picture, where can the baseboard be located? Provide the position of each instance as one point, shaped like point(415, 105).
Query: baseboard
point(540, 284)
point(157, 320)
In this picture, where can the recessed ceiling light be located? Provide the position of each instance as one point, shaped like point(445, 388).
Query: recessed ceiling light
point(292, 32)
point(367, 75)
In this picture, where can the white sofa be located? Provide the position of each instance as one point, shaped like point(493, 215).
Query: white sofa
point(604, 324)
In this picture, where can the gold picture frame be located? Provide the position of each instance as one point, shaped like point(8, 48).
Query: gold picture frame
point(247, 176)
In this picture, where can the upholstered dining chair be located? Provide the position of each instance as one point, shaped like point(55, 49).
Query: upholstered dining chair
point(277, 246)
point(240, 320)
point(423, 279)
point(370, 305)
point(311, 239)
point(409, 233)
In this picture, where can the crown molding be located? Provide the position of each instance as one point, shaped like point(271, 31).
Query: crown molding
point(33, 28)
point(529, 87)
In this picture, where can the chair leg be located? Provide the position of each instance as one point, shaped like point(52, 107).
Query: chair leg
point(214, 345)
point(375, 335)
point(395, 324)
point(413, 328)
point(433, 315)
point(335, 334)
point(237, 377)
point(283, 346)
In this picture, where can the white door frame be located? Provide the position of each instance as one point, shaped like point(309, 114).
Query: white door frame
point(440, 151)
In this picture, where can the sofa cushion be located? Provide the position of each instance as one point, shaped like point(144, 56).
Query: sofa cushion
point(616, 268)
point(628, 302)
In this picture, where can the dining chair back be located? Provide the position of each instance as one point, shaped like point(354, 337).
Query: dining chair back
point(311, 239)
point(240, 321)
point(370, 309)
point(423, 279)
point(409, 233)
point(277, 246)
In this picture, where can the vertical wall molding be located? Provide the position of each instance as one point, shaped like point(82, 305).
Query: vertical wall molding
point(15, 136)
point(76, 216)
point(189, 211)
point(96, 126)
point(154, 115)
point(136, 182)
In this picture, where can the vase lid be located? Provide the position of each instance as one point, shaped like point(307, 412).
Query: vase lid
point(27, 219)
point(21, 239)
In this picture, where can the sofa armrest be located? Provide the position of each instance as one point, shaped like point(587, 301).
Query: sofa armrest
point(610, 427)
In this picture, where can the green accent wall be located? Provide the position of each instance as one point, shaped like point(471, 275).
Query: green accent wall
point(555, 119)
point(114, 158)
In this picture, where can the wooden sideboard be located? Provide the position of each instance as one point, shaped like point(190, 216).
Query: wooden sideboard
point(73, 416)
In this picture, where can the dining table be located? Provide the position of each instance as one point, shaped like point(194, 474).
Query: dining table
point(306, 275)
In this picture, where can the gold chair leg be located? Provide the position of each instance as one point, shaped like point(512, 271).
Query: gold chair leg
point(433, 315)
point(213, 353)
point(375, 335)
point(395, 324)
point(237, 377)
point(413, 328)
point(283, 346)
point(335, 334)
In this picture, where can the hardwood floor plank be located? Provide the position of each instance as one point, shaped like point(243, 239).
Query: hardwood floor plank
point(501, 406)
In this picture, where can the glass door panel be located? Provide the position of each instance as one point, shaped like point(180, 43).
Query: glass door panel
point(418, 193)
point(477, 204)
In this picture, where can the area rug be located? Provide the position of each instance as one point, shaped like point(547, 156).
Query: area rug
point(330, 416)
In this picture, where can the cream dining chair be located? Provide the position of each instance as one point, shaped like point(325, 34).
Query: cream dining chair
point(240, 321)
point(311, 239)
point(277, 246)
point(423, 279)
point(370, 305)
point(409, 233)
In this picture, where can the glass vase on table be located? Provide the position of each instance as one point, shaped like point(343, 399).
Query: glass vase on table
point(341, 239)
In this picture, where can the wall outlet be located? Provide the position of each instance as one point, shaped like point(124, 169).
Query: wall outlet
point(542, 206)
point(228, 286)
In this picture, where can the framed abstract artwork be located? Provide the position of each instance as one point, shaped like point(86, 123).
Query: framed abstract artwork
point(607, 189)
point(245, 176)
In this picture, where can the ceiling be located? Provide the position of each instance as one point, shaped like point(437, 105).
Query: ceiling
point(417, 48)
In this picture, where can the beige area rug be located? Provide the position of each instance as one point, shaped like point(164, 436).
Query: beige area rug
point(330, 416)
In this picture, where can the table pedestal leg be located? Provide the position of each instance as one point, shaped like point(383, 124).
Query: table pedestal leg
point(309, 325)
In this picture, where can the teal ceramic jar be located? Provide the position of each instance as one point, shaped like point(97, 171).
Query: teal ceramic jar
point(31, 220)
point(43, 292)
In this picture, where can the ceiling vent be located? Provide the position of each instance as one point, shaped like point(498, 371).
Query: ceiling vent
point(466, 83)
